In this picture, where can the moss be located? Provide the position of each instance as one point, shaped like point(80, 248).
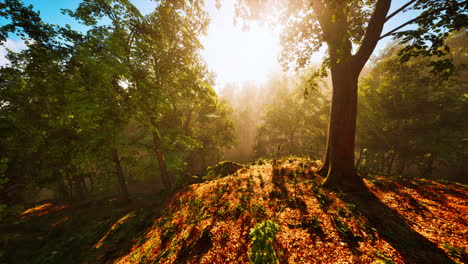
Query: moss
point(221, 170)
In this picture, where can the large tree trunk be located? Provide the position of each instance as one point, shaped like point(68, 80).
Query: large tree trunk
point(345, 69)
point(341, 172)
point(161, 161)
point(120, 176)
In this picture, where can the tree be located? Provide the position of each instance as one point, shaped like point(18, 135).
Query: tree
point(80, 112)
point(167, 70)
point(291, 119)
point(408, 115)
point(347, 26)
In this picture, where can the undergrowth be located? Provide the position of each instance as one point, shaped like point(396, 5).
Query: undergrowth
point(262, 250)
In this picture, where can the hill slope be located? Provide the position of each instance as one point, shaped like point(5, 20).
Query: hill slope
point(413, 220)
point(399, 221)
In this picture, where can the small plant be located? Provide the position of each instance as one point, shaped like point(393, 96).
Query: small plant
point(238, 210)
point(220, 190)
point(260, 161)
point(250, 183)
point(262, 182)
point(342, 212)
point(258, 211)
point(344, 230)
point(457, 252)
point(168, 231)
point(352, 207)
point(296, 203)
point(196, 210)
point(224, 236)
point(276, 162)
point(381, 258)
point(263, 237)
point(314, 225)
point(322, 198)
point(244, 200)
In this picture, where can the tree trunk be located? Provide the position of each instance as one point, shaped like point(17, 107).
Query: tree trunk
point(161, 161)
point(91, 183)
point(345, 69)
point(359, 160)
point(323, 169)
point(120, 176)
point(390, 162)
point(188, 118)
point(402, 166)
point(342, 129)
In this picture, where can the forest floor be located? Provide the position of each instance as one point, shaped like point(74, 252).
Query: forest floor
point(400, 220)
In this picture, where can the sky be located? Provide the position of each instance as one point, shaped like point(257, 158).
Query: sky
point(232, 54)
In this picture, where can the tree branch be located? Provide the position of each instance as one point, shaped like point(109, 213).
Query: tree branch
point(374, 29)
point(397, 28)
point(399, 10)
point(391, 32)
point(319, 10)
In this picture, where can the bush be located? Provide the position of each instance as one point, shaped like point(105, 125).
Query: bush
point(263, 237)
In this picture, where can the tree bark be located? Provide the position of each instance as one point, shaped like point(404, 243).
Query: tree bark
point(402, 165)
point(161, 161)
point(359, 160)
point(390, 162)
point(323, 169)
point(188, 119)
point(91, 183)
point(341, 170)
point(120, 176)
point(345, 70)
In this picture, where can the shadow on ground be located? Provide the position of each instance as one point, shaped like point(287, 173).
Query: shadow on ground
point(414, 247)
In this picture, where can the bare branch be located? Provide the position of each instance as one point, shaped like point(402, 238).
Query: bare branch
point(399, 10)
point(399, 27)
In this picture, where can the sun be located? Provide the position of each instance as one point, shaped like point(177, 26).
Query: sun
point(236, 55)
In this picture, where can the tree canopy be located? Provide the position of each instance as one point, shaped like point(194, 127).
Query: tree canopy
point(83, 111)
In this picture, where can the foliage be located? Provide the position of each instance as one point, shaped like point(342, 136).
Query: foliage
point(221, 169)
point(129, 95)
point(263, 237)
point(458, 252)
point(290, 118)
point(408, 115)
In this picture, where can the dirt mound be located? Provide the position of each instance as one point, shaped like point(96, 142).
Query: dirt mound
point(398, 221)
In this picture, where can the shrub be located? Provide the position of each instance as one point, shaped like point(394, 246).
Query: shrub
point(263, 237)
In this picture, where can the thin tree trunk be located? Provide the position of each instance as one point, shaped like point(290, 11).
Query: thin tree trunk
point(359, 160)
point(402, 166)
point(187, 121)
point(203, 159)
point(120, 176)
point(384, 161)
point(161, 161)
point(390, 163)
point(70, 186)
point(91, 183)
